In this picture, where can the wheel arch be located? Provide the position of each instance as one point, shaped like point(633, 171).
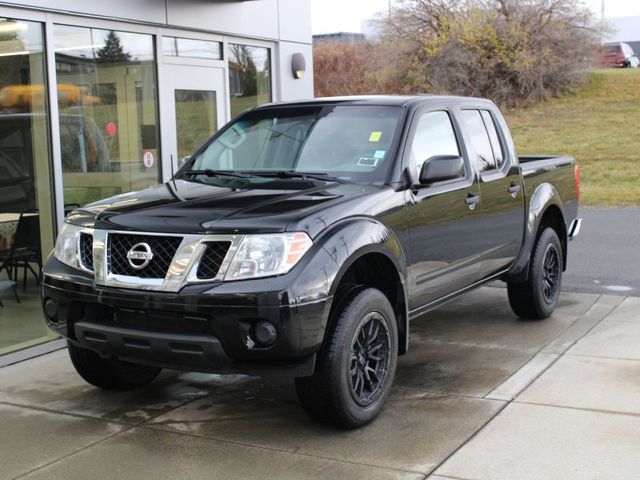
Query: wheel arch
point(545, 209)
point(368, 254)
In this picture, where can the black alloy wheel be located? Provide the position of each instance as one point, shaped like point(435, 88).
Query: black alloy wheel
point(369, 359)
point(537, 297)
point(550, 273)
point(355, 370)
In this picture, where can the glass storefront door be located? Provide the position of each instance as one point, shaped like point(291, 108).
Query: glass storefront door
point(26, 199)
point(193, 108)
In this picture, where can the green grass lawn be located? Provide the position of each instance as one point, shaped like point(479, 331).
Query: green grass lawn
point(599, 125)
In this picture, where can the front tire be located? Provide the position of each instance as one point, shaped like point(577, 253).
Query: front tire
point(110, 373)
point(537, 298)
point(356, 369)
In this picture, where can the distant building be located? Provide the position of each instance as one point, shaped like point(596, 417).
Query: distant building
point(347, 38)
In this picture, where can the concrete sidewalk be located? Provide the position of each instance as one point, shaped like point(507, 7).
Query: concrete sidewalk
point(580, 419)
point(481, 395)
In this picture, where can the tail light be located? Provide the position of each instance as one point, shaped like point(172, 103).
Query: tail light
point(576, 176)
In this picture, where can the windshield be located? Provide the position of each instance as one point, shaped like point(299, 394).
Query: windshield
point(348, 142)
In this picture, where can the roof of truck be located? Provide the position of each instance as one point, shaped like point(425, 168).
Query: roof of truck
point(379, 100)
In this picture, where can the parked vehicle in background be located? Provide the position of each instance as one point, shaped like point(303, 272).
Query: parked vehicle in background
point(619, 55)
point(303, 238)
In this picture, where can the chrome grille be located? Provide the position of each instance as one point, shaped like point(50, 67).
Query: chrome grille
point(86, 251)
point(212, 259)
point(163, 249)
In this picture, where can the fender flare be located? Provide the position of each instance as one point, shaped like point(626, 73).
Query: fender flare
point(543, 197)
point(351, 239)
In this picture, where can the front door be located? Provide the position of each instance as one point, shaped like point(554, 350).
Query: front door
point(193, 107)
point(445, 221)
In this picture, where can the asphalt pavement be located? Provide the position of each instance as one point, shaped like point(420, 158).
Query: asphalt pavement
point(605, 257)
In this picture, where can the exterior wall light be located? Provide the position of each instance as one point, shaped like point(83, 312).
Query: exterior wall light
point(298, 65)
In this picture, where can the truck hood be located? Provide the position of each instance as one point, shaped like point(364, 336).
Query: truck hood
point(275, 206)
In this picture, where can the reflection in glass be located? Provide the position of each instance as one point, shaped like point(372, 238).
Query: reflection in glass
point(249, 77)
point(195, 119)
point(107, 99)
point(186, 47)
point(26, 222)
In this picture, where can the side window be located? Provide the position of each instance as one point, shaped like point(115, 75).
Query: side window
point(434, 135)
point(496, 145)
point(479, 138)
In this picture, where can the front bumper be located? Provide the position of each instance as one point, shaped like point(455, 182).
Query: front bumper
point(207, 327)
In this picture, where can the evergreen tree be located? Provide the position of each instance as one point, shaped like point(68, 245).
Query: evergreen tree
point(112, 52)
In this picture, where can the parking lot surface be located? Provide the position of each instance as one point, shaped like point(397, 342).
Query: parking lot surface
point(481, 395)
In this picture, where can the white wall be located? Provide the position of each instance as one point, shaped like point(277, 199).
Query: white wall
point(295, 20)
point(255, 18)
point(290, 88)
point(141, 10)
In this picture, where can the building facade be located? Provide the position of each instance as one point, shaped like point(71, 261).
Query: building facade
point(100, 98)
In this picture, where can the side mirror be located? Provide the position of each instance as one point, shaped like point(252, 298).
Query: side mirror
point(440, 168)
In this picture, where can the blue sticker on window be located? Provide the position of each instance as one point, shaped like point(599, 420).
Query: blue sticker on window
point(379, 154)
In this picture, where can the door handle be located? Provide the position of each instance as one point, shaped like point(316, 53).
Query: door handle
point(472, 200)
point(513, 189)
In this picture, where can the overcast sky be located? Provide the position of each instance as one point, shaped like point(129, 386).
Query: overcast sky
point(329, 16)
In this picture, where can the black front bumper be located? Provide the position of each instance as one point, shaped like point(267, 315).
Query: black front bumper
point(204, 328)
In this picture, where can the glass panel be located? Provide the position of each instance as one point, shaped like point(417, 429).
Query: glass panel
point(434, 136)
point(107, 98)
point(186, 47)
point(249, 77)
point(24, 183)
point(196, 119)
point(479, 139)
point(351, 142)
point(496, 145)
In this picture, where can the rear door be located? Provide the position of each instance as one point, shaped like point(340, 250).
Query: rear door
point(444, 225)
point(501, 186)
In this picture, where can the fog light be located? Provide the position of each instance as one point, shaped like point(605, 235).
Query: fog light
point(51, 309)
point(265, 334)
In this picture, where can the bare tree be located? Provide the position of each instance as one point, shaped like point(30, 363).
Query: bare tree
point(513, 51)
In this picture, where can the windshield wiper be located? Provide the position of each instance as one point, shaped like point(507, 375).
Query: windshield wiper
point(303, 175)
point(216, 173)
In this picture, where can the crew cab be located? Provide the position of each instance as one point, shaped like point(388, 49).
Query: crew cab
point(303, 239)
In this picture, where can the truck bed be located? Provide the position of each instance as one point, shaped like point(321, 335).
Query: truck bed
point(556, 170)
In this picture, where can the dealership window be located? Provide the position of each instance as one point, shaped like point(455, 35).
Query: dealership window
point(107, 102)
point(26, 220)
point(189, 48)
point(249, 76)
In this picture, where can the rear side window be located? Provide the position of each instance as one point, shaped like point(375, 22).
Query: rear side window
point(434, 135)
point(496, 146)
point(479, 138)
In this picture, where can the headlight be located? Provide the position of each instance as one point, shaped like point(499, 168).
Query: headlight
point(267, 255)
point(67, 245)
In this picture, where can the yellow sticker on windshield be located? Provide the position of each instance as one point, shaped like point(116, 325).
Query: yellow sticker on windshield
point(375, 136)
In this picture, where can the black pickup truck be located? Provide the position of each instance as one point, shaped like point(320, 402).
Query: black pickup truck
point(303, 239)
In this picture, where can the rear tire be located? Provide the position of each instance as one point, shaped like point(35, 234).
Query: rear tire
point(356, 369)
point(110, 373)
point(537, 298)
